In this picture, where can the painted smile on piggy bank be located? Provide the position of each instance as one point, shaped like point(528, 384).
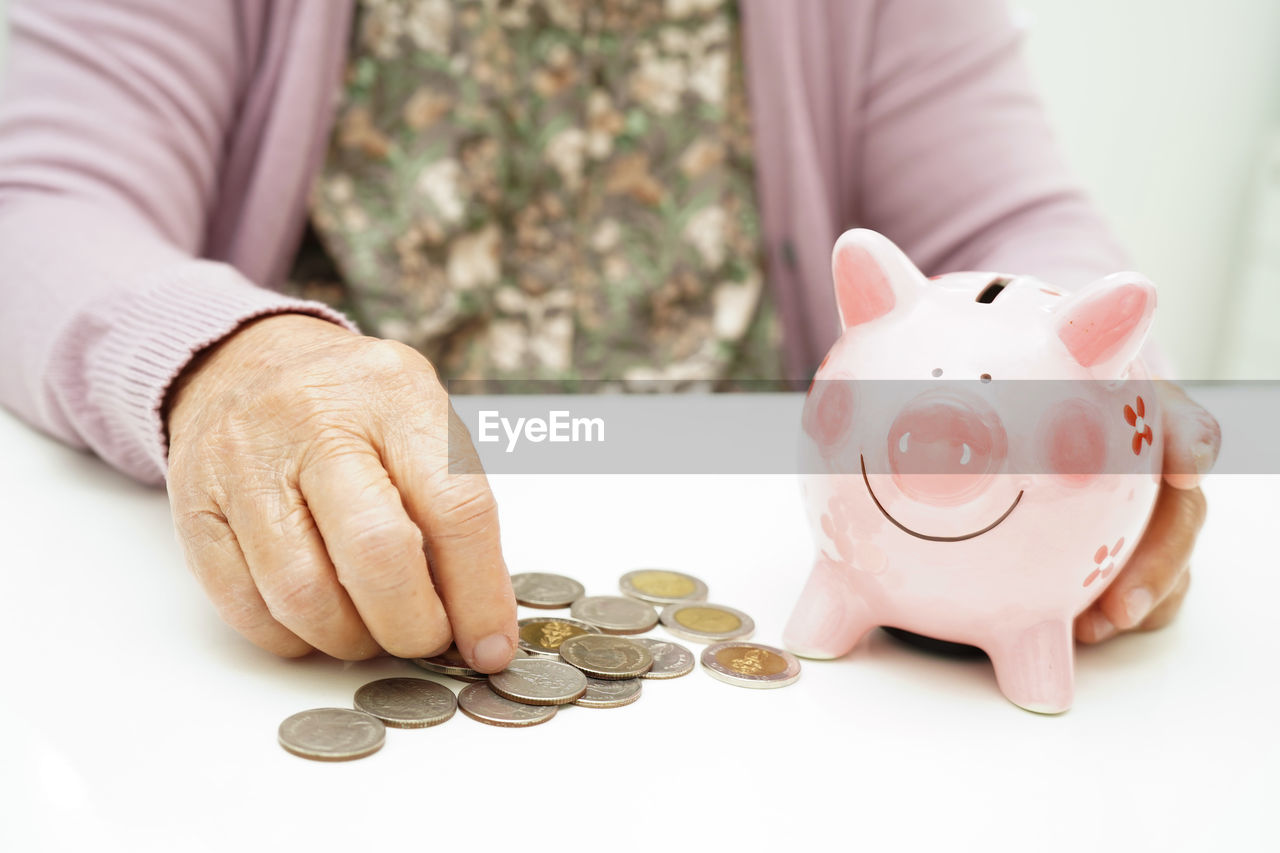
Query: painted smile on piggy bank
point(870, 491)
point(971, 445)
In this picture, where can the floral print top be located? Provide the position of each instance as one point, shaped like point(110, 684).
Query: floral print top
point(548, 189)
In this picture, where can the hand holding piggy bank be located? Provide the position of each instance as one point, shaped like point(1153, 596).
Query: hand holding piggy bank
point(955, 502)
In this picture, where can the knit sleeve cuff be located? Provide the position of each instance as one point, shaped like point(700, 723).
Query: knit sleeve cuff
point(134, 349)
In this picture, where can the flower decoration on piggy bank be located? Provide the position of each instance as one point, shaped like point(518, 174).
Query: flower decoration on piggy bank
point(980, 454)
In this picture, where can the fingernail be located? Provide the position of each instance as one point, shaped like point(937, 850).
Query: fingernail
point(1102, 627)
point(492, 653)
point(1204, 454)
point(1137, 604)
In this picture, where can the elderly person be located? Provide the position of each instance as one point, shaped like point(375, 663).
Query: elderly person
point(548, 189)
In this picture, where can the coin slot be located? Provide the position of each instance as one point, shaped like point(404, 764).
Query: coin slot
point(992, 290)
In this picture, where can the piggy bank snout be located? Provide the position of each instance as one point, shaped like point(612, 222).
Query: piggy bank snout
point(945, 447)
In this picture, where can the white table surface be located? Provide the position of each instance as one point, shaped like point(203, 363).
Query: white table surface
point(134, 719)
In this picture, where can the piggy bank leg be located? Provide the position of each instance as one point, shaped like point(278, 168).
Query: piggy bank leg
point(830, 617)
point(1035, 667)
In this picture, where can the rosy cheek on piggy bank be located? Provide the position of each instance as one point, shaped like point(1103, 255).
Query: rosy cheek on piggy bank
point(982, 512)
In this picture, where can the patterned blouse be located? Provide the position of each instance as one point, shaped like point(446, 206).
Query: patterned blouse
point(548, 189)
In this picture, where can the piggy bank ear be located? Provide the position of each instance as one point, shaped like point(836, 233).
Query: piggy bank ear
point(1104, 325)
point(872, 277)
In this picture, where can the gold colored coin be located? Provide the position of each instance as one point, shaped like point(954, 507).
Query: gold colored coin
point(550, 635)
point(708, 620)
point(662, 586)
point(750, 664)
point(751, 660)
point(707, 623)
point(541, 635)
point(665, 584)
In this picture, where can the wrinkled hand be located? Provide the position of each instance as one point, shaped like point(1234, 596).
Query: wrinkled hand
point(1149, 590)
point(308, 467)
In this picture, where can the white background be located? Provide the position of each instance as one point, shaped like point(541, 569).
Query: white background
point(1166, 109)
point(134, 720)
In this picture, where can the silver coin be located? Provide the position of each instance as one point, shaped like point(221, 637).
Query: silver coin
point(662, 586)
point(539, 681)
point(332, 734)
point(407, 703)
point(751, 664)
point(606, 657)
point(479, 702)
point(452, 664)
point(542, 635)
point(610, 694)
point(546, 591)
point(469, 679)
point(700, 622)
point(614, 614)
point(670, 660)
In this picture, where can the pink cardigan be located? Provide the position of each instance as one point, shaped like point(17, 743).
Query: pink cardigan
point(155, 159)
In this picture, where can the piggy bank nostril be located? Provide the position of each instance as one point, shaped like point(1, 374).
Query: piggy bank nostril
point(943, 446)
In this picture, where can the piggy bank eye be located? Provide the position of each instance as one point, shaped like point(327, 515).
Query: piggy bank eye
point(1074, 442)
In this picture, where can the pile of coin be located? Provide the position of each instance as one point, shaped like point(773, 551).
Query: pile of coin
point(590, 658)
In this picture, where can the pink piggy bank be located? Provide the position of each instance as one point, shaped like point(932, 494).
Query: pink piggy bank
point(997, 484)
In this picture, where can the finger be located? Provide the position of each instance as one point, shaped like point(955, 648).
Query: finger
point(1165, 611)
point(376, 548)
point(1192, 437)
point(214, 557)
point(1158, 559)
point(456, 511)
point(288, 562)
point(1093, 626)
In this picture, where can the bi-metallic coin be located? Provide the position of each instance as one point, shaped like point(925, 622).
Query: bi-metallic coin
point(670, 660)
point(542, 635)
point(479, 702)
point(662, 586)
point(610, 694)
point(407, 703)
point(539, 681)
point(332, 734)
point(751, 664)
point(606, 657)
point(545, 591)
point(707, 623)
point(614, 614)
